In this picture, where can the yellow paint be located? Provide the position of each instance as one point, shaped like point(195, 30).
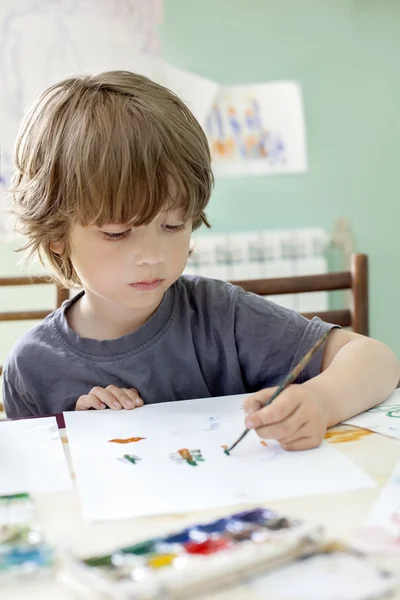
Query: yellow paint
point(352, 435)
point(161, 560)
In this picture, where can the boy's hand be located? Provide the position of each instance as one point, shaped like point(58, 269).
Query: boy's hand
point(295, 419)
point(111, 396)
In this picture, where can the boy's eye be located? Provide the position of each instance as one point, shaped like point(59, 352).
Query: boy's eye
point(172, 228)
point(116, 236)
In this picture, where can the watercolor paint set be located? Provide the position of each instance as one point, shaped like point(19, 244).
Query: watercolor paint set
point(23, 549)
point(198, 558)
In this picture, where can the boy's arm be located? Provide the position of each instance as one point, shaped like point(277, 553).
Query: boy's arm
point(356, 373)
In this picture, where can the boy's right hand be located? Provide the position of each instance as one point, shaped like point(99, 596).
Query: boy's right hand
point(111, 396)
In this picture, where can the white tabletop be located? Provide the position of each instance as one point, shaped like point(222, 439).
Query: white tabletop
point(341, 514)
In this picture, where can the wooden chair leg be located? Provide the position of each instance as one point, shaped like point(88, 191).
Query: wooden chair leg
point(360, 308)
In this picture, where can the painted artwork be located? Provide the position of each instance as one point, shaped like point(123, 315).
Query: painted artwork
point(129, 458)
point(384, 418)
point(183, 466)
point(190, 457)
point(130, 440)
point(257, 129)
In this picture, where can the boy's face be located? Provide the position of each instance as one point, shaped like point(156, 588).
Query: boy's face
point(131, 267)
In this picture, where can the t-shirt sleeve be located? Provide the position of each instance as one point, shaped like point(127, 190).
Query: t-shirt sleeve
point(271, 340)
point(17, 403)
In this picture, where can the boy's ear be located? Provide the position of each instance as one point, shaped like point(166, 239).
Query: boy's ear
point(57, 247)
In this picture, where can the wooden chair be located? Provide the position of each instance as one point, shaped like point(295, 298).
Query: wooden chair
point(28, 315)
point(356, 280)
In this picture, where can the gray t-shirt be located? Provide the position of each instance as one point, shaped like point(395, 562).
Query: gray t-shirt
point(207, 338)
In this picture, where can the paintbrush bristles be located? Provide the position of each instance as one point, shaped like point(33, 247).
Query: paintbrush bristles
point(228, 450)
point(290, 378)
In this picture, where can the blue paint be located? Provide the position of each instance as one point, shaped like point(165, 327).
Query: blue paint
point(218, 526)
point(181, 537)
point(259, 516)
point(19, 557)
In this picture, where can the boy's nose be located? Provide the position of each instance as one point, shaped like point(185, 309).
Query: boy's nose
point(149, 252)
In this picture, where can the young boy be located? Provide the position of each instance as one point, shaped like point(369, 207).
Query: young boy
point(113, 174)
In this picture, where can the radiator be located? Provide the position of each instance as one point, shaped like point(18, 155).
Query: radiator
point(267, 253)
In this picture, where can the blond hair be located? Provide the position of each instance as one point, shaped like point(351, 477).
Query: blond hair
point(109, 148)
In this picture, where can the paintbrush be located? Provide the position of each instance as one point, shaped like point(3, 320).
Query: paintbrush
point(292, 376)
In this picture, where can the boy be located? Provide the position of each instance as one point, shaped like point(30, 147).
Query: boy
point(113, 174)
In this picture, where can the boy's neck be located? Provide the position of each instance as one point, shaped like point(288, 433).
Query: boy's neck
point(95, 318)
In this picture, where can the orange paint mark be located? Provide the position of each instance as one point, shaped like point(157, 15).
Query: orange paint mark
point(127, 440)
point(339, 437)
point(225, 447)
point(184, 452)
point(263, 443)
point(64, 439)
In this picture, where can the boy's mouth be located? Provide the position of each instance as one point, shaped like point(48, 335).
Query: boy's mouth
point(147, 285)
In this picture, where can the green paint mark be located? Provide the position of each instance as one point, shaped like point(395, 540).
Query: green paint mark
point(131, 458)
point(147, 547)
point(99, 561)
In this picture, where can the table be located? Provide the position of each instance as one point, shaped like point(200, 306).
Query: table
point(341, 514)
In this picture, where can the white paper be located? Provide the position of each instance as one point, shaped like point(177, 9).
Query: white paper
point(32, 458)
point(381, 532)
point(258, 129)
point(326, 577)
point(384, 418)
point(157, 484)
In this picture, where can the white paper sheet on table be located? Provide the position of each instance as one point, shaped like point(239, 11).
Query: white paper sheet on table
point(381, 532)
point(112, 489)
point(32, 458)
point(384, 418)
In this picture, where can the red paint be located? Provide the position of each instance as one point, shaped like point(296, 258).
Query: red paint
point(209, 546)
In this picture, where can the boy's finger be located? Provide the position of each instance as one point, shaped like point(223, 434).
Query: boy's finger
point(302, 443)
point(256, 401)
point(286, 430)
point(276, 412)
point(120, 394)
point(106, 397)
point(133, 394)
point(89, 401)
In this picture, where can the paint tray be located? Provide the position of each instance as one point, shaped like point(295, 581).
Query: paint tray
point(23, 550)
point(198, 558)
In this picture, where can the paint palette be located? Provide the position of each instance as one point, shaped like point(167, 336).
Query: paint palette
point(198, 558)
point(23, 550)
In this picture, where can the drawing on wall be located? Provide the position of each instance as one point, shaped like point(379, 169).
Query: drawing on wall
point(257, 129)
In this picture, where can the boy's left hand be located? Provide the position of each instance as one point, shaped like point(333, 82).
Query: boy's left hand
point(295, 419)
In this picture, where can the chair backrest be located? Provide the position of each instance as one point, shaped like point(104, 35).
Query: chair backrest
point(28, 315)
point(356, 280)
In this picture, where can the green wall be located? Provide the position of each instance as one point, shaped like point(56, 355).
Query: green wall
point(346, 55)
